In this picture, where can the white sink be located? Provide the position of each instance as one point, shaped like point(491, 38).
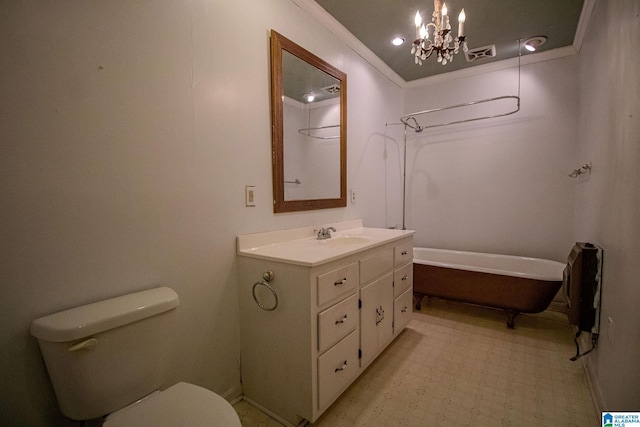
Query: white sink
point(345, 240)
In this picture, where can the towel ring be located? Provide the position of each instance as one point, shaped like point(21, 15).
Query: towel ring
point(267, 277)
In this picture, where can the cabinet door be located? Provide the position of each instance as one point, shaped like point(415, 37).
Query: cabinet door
point(376, 317)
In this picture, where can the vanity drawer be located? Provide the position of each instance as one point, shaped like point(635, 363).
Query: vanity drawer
point(402, 254)
point(402, 279)
point(375, 265)
point(336, 368)
point(336, 283)
point(336, 322)
point(402, 309)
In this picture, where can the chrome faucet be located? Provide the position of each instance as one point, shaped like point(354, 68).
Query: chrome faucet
point(325, 233)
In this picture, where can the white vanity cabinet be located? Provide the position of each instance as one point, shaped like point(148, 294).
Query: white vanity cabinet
point(332, 319)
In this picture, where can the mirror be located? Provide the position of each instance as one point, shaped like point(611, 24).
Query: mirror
point(309, 137)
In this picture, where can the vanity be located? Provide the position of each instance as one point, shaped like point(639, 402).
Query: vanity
point(315, 313)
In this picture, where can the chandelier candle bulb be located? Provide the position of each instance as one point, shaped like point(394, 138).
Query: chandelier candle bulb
point(461, 19)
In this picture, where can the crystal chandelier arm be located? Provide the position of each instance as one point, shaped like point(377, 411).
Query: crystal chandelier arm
point(442, 35)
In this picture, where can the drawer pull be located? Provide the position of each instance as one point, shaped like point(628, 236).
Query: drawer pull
point(340, 282)
point(344, 319)
point(344, 366)
point(405, 309)
point(405, 277)
point(404, 252)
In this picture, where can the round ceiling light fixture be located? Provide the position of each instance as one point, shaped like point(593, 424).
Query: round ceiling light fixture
point(534, 43)
point(397, 41)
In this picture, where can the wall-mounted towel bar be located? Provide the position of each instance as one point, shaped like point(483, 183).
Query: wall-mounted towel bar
point(295, 181)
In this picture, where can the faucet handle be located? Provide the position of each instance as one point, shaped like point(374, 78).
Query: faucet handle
point(325, 233)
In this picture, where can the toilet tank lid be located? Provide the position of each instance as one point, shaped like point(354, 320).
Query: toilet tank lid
point(87, 320)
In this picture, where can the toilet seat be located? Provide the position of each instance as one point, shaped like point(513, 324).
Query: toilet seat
point(182, 404)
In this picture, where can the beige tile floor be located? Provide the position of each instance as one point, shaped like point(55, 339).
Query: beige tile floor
point(458, 365)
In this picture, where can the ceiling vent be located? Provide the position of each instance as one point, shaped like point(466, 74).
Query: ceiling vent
point(332, 90)
point(480, 52)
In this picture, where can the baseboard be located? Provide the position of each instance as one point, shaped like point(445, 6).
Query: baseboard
point(559, 306)
point(234, 394)
point(594, 387)
point(599, 403)
point(596, 394)
point(271, 414)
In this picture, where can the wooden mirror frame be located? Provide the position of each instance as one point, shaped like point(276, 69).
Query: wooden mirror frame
point(278, 44)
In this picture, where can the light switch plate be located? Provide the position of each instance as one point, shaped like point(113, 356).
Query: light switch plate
point(250, 196)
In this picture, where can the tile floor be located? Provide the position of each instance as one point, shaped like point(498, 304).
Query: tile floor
point(458, 365)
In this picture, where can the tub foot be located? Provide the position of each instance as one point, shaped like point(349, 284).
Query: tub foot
point(511, 317)
point(418, 298)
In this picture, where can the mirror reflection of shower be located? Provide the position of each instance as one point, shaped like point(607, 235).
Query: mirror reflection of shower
point(311, 149)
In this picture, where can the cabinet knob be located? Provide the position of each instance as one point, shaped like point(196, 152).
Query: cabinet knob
point(344, 366)
point(404, 309)
point(340, 282)
point(404, 252)
point(405, 277)
point(344, 319)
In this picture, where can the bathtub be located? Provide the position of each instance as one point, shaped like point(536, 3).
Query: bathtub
point(513, 284)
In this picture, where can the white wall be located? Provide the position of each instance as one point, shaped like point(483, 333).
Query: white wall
point(129, 131)
point(608, 200)
point(497, 185)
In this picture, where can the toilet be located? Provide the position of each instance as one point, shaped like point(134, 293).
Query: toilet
point(107, 359)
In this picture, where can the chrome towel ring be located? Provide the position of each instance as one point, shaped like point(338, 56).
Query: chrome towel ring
point(266, 278)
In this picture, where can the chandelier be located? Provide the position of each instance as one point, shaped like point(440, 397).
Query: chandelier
point(436, 36)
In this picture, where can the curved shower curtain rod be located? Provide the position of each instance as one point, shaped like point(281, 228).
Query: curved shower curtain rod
point(418, 128)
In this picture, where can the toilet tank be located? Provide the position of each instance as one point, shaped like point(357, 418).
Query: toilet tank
point(102, 356)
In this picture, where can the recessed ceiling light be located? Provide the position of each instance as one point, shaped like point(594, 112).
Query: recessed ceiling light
point(397, 41)
point(534, 43)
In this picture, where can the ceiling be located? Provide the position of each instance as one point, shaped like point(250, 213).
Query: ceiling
point(488, 22)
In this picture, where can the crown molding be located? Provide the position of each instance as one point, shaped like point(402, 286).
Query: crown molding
point(583, 23)
point(330, 23)
point(530, 58)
